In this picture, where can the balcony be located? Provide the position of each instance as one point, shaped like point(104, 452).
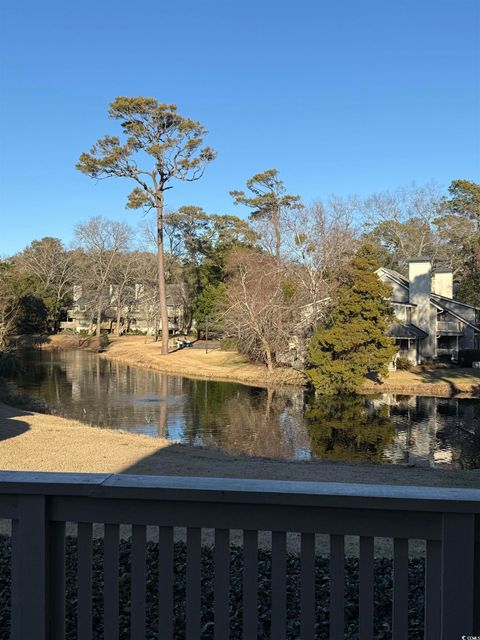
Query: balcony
point(451, 328)
point(39, 506)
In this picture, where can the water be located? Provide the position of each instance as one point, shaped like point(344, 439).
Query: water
point(286, 424)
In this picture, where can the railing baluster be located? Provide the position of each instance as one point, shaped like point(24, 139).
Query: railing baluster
point(279, 577)
point(29, 580)
point(222, 584)
point(307, 593)
point(111, 556)
point(250, 584)
point(433, 581)
point(458, 540)
point(84, 569)
point(366, 595)
point(56, 606)
point(139, 539)
point(337, 587)
point(400, 589)
point(194, 546)
point(165, 583)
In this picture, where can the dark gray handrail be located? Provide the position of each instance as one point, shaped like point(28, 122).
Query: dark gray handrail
point(344, 495)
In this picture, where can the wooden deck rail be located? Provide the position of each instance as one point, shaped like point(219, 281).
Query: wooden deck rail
point(40, 505)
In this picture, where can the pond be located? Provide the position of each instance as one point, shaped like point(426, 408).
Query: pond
point(287, 424)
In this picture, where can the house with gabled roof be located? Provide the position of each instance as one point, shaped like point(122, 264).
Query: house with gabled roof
point(429, 322)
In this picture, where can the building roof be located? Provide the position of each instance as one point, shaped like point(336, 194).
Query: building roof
point(400, 330)
point(439, 297)
point(396, 276)
point(444, 307)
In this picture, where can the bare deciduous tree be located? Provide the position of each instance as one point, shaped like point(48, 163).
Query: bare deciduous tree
point(103, 241)
point(126, 274)
point(53, 266)
point(402, 222)
point(321, 239)
point(262, 304)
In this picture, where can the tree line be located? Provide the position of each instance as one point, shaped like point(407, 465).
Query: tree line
point(259, 278)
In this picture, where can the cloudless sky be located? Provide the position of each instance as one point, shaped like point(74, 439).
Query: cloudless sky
point(342, 96)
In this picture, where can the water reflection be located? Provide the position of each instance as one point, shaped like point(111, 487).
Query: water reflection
point(286, 424)
point(349, 429)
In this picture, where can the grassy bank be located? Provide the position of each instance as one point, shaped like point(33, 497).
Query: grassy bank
point(445, 383)
point(143, 351)
point(230, 365)
point(32, 441)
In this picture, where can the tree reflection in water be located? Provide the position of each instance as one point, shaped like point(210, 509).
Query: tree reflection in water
point(345, 428)
point(246, 420)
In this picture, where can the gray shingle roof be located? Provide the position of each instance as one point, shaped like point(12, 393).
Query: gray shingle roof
point(399, 330)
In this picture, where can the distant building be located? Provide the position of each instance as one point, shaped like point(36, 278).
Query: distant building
point(139, 310)
point(429, 322)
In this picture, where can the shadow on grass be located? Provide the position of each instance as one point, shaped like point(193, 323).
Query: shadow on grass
point(450, 377)
point(10, 428)
point(185, 460)
point(31, 341)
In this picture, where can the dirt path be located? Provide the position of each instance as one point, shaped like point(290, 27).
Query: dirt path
point(37, 442)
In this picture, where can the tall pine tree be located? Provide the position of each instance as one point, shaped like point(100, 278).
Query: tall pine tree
point(354, 343)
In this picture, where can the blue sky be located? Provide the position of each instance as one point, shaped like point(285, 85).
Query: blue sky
point(341, 96)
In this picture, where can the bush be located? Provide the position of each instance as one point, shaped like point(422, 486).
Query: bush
point(10, 364)
point(228, 344)
point(468, 356)
point(403, 364)
point(103, 341)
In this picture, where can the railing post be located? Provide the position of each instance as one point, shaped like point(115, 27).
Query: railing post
point(458, 541)
point(476, 573)
point(29, 570)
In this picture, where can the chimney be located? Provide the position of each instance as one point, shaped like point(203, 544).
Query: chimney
point(442, 282)
point(77, 292)
point(424, 314)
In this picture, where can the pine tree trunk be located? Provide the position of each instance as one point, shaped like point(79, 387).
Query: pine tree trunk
point(162, 289)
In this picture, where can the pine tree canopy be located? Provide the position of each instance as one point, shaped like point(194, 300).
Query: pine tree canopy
point(354, 343)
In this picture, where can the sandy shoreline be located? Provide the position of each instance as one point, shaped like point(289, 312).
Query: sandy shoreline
point(32, 441)
point(194, 363)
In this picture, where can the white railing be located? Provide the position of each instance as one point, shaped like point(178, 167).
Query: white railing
point(40, 505)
